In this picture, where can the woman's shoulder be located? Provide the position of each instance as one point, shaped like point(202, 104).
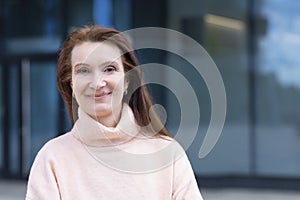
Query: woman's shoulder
point(59, 140)
point(162, 140)
point(56, 145)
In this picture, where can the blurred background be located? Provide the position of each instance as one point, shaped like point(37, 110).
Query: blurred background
point(254, 43)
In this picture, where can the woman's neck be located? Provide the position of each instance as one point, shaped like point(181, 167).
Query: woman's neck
point(112, 119)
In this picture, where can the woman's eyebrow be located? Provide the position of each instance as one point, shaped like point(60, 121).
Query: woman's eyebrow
point(108, 63)
point(103, 64)
point(78, 64)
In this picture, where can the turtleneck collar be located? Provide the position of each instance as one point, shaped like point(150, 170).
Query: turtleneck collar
point(92, 133)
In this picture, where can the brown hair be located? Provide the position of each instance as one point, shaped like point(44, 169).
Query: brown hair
point(139, 100)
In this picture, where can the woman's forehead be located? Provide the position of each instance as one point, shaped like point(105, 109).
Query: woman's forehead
point(95, 53)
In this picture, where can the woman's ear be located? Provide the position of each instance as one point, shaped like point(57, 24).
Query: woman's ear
point(126, 84)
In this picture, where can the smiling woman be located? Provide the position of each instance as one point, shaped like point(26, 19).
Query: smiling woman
point(117, 148)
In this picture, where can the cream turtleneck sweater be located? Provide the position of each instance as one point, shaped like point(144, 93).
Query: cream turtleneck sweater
point(97, 162)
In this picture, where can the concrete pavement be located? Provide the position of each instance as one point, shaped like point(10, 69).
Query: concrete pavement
point(12, 190)
point(248, 194)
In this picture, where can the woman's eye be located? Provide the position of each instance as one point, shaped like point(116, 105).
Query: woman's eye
point(110, 69)
point(82, 71)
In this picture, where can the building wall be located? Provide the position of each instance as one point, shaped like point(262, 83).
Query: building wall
point(253, 43)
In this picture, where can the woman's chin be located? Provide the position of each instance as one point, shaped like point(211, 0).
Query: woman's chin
point(102, 110)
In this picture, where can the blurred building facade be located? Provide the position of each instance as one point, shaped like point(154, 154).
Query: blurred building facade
point(254, 43)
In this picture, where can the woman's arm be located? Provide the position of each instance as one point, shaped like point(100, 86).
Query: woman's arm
point(184, 186)
point(42, 183)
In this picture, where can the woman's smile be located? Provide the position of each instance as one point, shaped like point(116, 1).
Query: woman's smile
point(99, 96)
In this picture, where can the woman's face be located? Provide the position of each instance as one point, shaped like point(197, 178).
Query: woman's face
point(98, 78)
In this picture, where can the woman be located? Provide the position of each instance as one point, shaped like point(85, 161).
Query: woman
point(117, 148)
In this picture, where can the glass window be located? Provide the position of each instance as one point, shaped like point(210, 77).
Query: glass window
point(10, 136)
point(1, 118)
point(14, 118)
point(45, 15)
point(222, 30)
point(24, 36)
point(278, 90)
point(80, 13)
point(43, 104)
point(226, 42)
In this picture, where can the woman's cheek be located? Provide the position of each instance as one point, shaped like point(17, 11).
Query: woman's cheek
point(81, 82)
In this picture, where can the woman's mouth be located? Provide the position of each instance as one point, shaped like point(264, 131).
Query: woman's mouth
point(101, 96)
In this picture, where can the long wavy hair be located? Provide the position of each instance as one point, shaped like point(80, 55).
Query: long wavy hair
point(138, 97)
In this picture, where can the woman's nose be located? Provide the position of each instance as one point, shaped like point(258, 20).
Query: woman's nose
point(98, 82)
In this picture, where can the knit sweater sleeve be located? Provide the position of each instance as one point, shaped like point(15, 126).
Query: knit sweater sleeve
point(42, 182)
point(184, 183)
